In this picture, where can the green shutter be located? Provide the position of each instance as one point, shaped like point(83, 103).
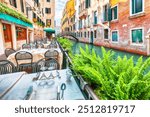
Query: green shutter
point(137, 36)
point(133, 6)
point(86, 4)
point(109, 14)
point(115, 12)
point(115, 36)
point(138, 5)
point(134, 36)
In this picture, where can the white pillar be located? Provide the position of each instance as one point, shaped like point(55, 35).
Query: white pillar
point(14, 37)
point(27, 35)
point(148, 46)
point(32, 36)
point(2, 47)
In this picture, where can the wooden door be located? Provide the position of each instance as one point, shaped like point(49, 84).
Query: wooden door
point(8, 35)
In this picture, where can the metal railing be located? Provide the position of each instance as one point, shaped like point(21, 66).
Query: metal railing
point(84, 87)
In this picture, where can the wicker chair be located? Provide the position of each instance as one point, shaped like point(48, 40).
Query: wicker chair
point(7, 67)
point(46, 64)
point(24, 60)
point(9, 51)
point(51, 54)
point(26, 46)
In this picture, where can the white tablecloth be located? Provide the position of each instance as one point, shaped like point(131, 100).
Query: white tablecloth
point(37, 55)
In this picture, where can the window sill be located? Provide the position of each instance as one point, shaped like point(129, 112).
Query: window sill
point(106, 40)
point(115, 42)
point(134, 44)
point(105, 22)
point(95, 24)
point(114, 21)
point(137, 15)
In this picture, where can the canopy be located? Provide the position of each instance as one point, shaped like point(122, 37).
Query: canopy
point(49, 30)
point(14, 20)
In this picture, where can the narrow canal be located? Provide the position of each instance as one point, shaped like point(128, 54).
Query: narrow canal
point(77, 45)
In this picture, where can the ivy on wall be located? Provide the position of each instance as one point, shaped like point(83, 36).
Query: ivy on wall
point(6, 10)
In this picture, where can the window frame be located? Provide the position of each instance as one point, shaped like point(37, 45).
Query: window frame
point(48, 11)
point(143, 9)
point(105, 13)
point(112, 18)
point(137, 44)
point(95, 17)
point(118, 36)
point(108, 34)
point(95, 34)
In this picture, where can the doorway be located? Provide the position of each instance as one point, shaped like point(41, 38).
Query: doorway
point(92, 37)
point(7, 35)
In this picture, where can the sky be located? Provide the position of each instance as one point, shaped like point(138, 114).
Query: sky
point(60, 4)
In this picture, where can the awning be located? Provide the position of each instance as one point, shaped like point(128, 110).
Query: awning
point(49, 30)
point(14, 20)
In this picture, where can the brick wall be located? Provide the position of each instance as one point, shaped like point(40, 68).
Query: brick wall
point(125, 23)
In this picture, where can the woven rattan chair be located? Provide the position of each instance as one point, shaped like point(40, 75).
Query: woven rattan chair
point(7, 67)
point(9, 51)
point(46, 64)
point(51, 54)
point(24, 60)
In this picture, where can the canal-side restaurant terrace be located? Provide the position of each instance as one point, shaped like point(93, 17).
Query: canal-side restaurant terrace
point(42, 67)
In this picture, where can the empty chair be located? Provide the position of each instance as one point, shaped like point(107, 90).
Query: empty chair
point(51, 54)
point(6, 67)
point(24, 60)
point(46, 64)
point(9, 51)
point(52, 45)
point(26, 46)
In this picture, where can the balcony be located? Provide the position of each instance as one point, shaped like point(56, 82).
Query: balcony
point(83, 14)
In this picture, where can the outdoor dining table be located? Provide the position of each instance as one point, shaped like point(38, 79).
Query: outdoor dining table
point(42, 89)
point(37, 55)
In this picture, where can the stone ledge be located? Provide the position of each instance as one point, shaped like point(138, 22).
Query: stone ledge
point(137, 15)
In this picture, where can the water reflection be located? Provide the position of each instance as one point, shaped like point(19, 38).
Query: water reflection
point(77, 45)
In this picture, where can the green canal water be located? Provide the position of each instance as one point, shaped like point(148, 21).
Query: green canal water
point(77, 45)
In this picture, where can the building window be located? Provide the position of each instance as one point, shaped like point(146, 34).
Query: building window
point(88, 3)
point(95, 34)
point(114, 13)
point(81, 34)
point(137, 36)
point(48, 10)
point(85, 34)
point(34, 15)
point(105, 11)
point(115, 36)
point(105, 33)
point(21, 33)
point(48, 22)
point(88, 34)
point(13, 3)
point(95, 17)
point(22, 5)
point(137, 6)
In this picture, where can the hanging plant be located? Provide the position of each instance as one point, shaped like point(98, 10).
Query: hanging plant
point(6, 10)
